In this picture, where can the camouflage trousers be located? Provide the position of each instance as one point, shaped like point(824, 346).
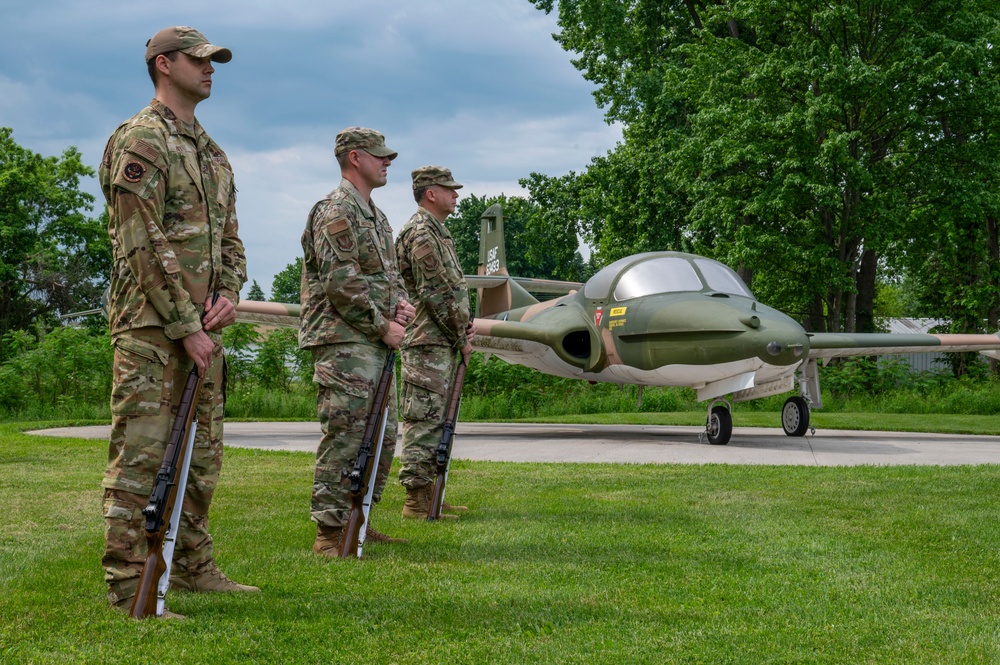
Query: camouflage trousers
point(149, 375)
point(348, 376)
point(428, 373)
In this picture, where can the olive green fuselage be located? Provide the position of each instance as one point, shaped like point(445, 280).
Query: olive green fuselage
point(691, 337)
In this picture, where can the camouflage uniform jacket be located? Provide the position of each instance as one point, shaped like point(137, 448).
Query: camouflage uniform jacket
point(434, 277)
point(172, 221)
point(350, 278)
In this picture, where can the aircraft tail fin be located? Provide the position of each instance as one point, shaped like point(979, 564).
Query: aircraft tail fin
point(493, 261)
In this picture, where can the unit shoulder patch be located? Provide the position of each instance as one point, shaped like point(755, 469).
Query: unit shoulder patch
point(136, 175)
point(342, 236)
point(427, 258)
point(133, 171)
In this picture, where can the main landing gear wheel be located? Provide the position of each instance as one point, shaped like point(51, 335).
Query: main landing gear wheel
point(719, 428)
point(795, 416)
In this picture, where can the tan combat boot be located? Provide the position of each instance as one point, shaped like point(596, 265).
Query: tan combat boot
point(371, 535)
point(328, 540)
point(209, 580)
point(443, 515)
point(418, 502)
point(447, 507)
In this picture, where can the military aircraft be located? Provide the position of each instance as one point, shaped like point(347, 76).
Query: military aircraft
point(660, 319)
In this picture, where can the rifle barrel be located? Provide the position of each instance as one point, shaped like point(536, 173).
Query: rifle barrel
point(163, 500)
point(362, 475)
point(444, 446)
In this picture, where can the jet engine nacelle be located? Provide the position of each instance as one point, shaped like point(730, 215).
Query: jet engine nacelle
point(564, 328)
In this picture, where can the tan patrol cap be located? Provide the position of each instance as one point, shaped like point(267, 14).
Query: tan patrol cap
point(186, 40)
point(362, 138)
point(426, 176)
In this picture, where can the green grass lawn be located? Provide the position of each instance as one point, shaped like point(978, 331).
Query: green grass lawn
point(555, 563)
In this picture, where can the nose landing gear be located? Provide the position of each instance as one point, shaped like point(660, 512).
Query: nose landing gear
point(719, 425)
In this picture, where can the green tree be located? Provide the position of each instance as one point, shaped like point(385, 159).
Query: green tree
point(240, 341)
point(64, 368)
point(255, 292)
point(804, 143)
point(53, 259)
point(287, 283)
point(554, 229)
point(952, 251)
point(536, 247)
point(628, 199)
point(280, 361)
point(622, 205)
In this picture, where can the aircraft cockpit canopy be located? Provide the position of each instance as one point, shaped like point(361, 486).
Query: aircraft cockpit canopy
point(721, 278)
point(664, 274)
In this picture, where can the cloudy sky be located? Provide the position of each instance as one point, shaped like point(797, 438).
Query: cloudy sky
point(479, 86)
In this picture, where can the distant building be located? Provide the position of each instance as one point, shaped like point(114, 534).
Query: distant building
point(919, 362)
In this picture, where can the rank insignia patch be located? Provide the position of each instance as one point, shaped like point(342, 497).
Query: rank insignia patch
point(133, 171)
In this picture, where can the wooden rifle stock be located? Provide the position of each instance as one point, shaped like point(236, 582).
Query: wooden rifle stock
point(362, 476)
point(444, 446)
point(164, 500)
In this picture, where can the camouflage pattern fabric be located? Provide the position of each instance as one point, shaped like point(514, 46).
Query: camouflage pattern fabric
point(173, 226)
point(350, 278)
point(174, 237)
point(428, 372)
point(350, 288)
point(149, 375)
point(434, 279)
point(186, 40)
point(362, 138)
point(426, 176)
point(348, 376)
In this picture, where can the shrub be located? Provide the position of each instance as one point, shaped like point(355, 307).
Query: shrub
point(65, 368)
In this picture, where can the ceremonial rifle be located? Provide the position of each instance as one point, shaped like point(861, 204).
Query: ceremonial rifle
point(444, 446)
point(163, 512)
point(363, 474)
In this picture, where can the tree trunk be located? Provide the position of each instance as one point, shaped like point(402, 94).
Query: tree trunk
point(864, 311)
point(993, 314)
point(850, 307)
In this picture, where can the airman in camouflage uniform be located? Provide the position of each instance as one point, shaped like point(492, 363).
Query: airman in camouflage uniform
point(354, 310)
point(174, 237)
point(442, 327)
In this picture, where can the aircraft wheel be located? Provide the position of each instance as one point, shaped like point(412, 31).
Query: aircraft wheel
point(720, 426)
point(795, 416)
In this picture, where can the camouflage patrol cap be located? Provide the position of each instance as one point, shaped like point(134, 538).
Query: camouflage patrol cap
point(362, 138)
point(426, 176)
point(186, 40)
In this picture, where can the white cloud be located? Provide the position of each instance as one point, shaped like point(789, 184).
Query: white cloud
point(479, 86)
point(278, 188)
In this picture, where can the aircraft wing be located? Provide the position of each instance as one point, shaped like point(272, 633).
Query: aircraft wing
point(529, 342)
point(843, 345)
point(514, 339)
point(551, 286)
point(268, 313)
